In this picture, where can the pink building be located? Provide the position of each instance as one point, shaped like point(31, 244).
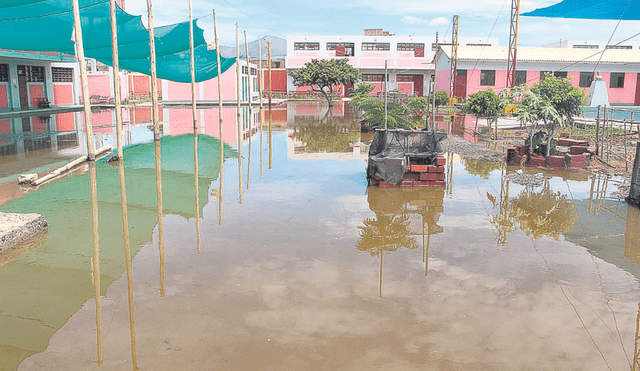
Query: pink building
point(408, 58)
point(483, 67)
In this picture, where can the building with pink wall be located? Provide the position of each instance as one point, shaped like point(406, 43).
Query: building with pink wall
point(480, 68)
point(408, 58)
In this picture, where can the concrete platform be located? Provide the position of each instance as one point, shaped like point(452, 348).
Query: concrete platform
point(18, 228)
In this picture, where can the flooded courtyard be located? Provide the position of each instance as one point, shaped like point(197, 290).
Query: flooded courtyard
point(275, 255)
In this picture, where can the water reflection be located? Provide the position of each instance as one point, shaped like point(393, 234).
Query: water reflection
point(95, 259)
point(391, 229)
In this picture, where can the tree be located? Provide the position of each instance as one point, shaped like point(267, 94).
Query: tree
point(485, 104)
point(562, 95)
point(322, 75)
point(441, 97)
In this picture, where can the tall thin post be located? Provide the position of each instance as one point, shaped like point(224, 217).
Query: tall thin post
point(239, 109)
point(626, 163)
point(220, 191)
point(385, 94)
point(83, 78)
point(246, 49)
point(598, 133)
point(116, 76)
point(195, 124)
point(260, 76)
point(433, 103)
point(128, 263)
point(269, 65)
point(154, 78)
point(95, 259)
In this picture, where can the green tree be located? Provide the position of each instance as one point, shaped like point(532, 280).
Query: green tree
point(485, 104)
point(562, 95)
point(442, 98)
point(323, 75)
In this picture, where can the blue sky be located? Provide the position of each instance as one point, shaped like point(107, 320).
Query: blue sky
point(478, 18)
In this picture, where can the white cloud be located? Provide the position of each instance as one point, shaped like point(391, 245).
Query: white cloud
point(440, 21)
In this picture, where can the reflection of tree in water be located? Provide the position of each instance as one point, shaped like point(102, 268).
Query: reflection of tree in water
point(538, 214)
point(391, 230)
point(481, 168)
point(327, 136)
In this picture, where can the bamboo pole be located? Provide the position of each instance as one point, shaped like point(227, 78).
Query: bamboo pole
point(246, 48)
point(239, 120)
point(128, 263)
point(95, 259)
point(598, 133)
point(77, 25)
point(154, 78)
point(160, 211)
point(626, 166)
point(63, 169)
point(195, 125)
point(260, 76)
point(385, 95)
point(116, 76)
point(269, 66)
point(220, 191)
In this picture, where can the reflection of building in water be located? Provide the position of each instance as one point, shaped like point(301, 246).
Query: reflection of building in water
point(632, 235)
point(401, 215)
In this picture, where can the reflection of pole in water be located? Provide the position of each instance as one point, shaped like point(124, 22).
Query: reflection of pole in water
point(270, 113)
point(95, 260)
point(127, 256)
point(160, 209)
point(632, 251)
point(246, 47)
point(239, 111)
point(215, 30)
point(195, 122)
point(261, 146)
point(195, 184)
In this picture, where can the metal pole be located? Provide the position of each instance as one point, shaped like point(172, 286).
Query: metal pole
point(154, 78)
point(385, 94)
point(83, 78)
point(116, 76)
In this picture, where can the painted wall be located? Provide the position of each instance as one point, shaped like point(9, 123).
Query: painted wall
point(4, 95)
point(99, 85)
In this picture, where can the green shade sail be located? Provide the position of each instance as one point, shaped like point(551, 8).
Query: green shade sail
point(47, 25)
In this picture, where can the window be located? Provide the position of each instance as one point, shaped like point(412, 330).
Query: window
point(404, 78)
point(488, 77)
point(461, 72)
point(4, 73)
point(586, 47)
point(306, 46)
point(254, 71)
point(33, 73)
point(617, 80)
point(342, 49)
point(60, 74)
point(560, 74)
point(521, 78)
point(619, 47)
point(245, 70)
point(372, 77)
point(477, 44)
point(409, 47)
point(586, 78)
point(543, 74)
point(375, 46)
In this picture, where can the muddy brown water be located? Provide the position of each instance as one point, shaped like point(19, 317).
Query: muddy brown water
point(293, 263)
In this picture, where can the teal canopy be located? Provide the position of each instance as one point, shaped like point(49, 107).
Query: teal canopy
point(589, 9)
point(47, 25)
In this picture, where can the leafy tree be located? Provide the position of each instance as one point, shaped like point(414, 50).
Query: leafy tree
point(442, 98)
point(397, 114)
point(485, 104)
point(322, 75)
point(534, 108)
point(562, 95)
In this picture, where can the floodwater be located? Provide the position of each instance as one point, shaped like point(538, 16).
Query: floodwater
point(286, 261)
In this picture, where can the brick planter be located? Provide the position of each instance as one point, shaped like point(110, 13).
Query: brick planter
point(555, 161)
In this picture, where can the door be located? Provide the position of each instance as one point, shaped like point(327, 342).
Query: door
point(460, 84)
point(418, 85)
point(22, 87)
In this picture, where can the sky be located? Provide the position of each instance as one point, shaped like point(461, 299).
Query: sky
point(479, 19)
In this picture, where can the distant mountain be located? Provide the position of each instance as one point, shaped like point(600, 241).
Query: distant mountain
point(278, 49)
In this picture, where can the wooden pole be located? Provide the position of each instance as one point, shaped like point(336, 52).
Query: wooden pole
point(239, 110)
point(598, 133)
point(220, 192)
point(269, 65)
point(116, 76)
point(83, 78)
point(154, 78)
point(385, 104)
point(128, 263)
point(626, 165)
point(95, 259)
point(246, 48)
point(260, 76)
point(195, 124)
